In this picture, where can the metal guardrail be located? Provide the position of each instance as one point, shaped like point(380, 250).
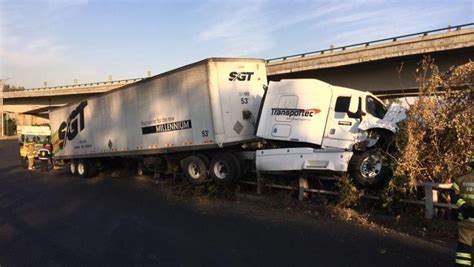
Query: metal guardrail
point(85, 84)
point(429, 201)
point(366, 44)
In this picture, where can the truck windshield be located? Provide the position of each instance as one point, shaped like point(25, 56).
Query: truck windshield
point(43, 139)
point(38, 139)
point(29, 138)
point(375, 107)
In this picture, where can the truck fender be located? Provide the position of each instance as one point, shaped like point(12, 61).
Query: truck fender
point(380, 137)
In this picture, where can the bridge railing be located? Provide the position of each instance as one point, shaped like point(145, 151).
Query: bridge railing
point(366, 44)
point(125, 81)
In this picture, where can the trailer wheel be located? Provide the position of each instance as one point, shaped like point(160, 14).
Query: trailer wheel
point(369, 169)
point(195, 169)
point(225, 169)
point(73, 167)
point(84, 168)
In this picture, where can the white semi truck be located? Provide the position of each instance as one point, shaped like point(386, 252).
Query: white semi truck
point(218, 119)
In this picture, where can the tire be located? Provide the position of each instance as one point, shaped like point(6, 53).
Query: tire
point(225, 169)
point(195, 169)
point(84, 168)
point(73, 167)
point(369, 169)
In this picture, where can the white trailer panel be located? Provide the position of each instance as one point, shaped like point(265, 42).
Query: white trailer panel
point(208, 104)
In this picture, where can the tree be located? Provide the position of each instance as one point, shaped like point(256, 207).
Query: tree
point(12, 88)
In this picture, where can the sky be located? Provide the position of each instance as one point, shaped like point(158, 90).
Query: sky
point(58, 41)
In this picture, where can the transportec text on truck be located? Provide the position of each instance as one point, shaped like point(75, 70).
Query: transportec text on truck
point(217, 118)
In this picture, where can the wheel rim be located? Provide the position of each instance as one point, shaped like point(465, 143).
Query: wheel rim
point(371, 167)
point(80, 168)
point(72, 167)
point(194, 171)
point(220, 170)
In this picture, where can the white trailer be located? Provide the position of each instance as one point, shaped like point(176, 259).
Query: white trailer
point(209, 105)
point(209, 118)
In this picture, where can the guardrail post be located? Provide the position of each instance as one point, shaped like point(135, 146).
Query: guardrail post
point(156, 173)
point(259, 183)
point(429, 199)
point(303, 184)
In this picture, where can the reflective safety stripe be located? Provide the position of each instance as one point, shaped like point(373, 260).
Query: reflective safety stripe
point(460, 202)
point(463, 255)
point(463, 262)
point(468, 196)
point(455, 187)
point(471, 220)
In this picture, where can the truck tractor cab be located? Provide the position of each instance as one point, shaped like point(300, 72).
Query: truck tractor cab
point(37, 136)
point(344, 128)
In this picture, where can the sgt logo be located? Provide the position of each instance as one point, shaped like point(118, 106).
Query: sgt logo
point(240, 76)
point(74, 124)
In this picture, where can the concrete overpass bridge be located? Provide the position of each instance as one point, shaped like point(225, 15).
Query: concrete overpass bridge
point(385, 67)
point(39, 100)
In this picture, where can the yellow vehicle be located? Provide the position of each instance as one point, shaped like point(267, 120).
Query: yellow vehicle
point(37, 136)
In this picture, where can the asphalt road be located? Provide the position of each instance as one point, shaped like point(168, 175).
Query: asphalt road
point(58, 220)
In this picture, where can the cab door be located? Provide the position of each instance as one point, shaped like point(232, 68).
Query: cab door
point(282, 125)
point(342, 129)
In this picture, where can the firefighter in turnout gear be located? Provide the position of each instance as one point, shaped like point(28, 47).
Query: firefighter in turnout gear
point(463, 197)
point(44, 157)
point(31, 156)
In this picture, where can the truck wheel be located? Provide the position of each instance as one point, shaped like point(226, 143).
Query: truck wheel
point(369, 169)
point(194, 169)
point(225, 169)
point(84, 168)
point(73, 167)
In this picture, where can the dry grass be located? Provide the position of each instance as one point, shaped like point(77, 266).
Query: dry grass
point(436, 138)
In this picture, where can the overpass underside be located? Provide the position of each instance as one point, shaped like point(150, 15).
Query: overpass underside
point(387, 78)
